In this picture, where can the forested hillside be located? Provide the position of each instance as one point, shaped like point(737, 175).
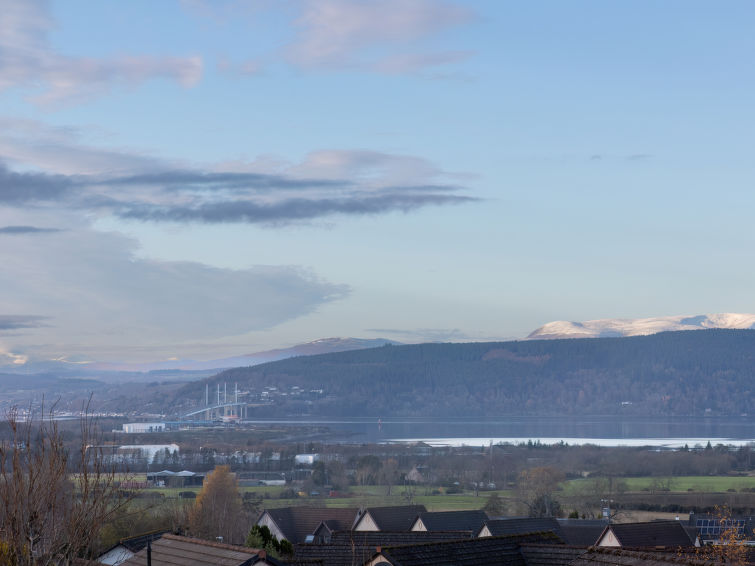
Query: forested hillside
point(673, 373)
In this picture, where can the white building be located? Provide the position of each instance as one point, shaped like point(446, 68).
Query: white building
point(140, 428)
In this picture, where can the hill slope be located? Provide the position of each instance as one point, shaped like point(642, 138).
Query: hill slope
point(673, 373)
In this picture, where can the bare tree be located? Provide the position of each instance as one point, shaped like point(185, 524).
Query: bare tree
point(536, 487)
point(54, 500)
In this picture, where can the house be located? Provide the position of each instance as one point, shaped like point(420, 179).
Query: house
point(184, 478)
point(539, 554)
point(450, 521)
point(519, 526)
point(670, 534)
point(127, 547)
point(347, 548)
point(607, 556)
point(173, 550)
point(709, 528)
point(487, 551)
point(398, 518)
point(296, 523)
point(581, 532)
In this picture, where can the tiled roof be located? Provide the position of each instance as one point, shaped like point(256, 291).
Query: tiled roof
point(581, 533)
point(354, 547)
point(172, 550)
point(332, 555)
point(454, 520)
point(389, 538)
point(298, 522)
point(536, 554)
point(653, 533)
point(136, 543)
point(612, 556)
point(498, 527)
point(488, 551)
point(397, 518)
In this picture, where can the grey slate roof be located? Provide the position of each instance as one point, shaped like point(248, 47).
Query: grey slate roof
point(354, 547)
point(331, 554)
point(612, 556)
point(298, 522)
point(137, 542)
point(454, 520)
point(389, 538)
point(654, 533)
point(488, 551)
point(397, 518)
point(581, 532)
point(537, 554)
point(172, 550)
point(499, 527)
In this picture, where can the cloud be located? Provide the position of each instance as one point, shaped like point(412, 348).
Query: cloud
point(374, 35)
point(27, 60)
point(104, 298)
point(325, 183)
point(289, 210)
point(425, 334)
point(19, 321)
point(30, 187)
point(54, 148)
point(16, 230)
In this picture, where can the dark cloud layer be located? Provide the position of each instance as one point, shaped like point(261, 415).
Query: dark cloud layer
point(218, 197)
point(193, 180)
point(288, 210)
point(27, 187)
point(18, 321)
point(26, 230)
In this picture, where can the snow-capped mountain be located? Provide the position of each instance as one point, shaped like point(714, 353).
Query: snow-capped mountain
point(613, 327)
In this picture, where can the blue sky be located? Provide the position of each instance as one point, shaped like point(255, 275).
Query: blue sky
point(202, 179)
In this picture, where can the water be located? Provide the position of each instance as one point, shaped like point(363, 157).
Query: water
point(605, 431)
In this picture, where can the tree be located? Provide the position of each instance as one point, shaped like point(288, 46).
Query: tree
point(536, 487)
point(260, 537)
point(217, 509)
point(389, 474)
point(730, 547)
point(319, 473)
point(53, 500)
point(368, 467)
point(495, 506)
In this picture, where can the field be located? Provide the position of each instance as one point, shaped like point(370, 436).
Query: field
point(435, 499)
point(703, 484)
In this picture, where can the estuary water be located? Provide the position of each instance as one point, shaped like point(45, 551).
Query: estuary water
point(660, 432)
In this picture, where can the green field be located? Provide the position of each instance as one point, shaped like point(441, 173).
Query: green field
point(703, 484)
point(436, 500)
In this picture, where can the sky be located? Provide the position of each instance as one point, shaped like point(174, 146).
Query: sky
point(208, 178)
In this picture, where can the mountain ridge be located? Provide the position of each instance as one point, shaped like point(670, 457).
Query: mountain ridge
point(622, 327)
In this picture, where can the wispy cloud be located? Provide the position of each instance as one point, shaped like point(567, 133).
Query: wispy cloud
point(326, 183)
point(288, 210)
point(105, 296)
point(32, 187)
point(19, 321)
point(373, 35)
point(27, 60)
point(13, 230)
point(424, 334)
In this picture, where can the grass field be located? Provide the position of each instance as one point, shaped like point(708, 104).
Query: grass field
point(373, 496)
point(704, 484)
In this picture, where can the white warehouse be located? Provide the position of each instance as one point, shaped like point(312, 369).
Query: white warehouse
point(136, 428)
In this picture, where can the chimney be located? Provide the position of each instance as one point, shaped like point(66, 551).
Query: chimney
point(378, 549)
point(262, 554)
